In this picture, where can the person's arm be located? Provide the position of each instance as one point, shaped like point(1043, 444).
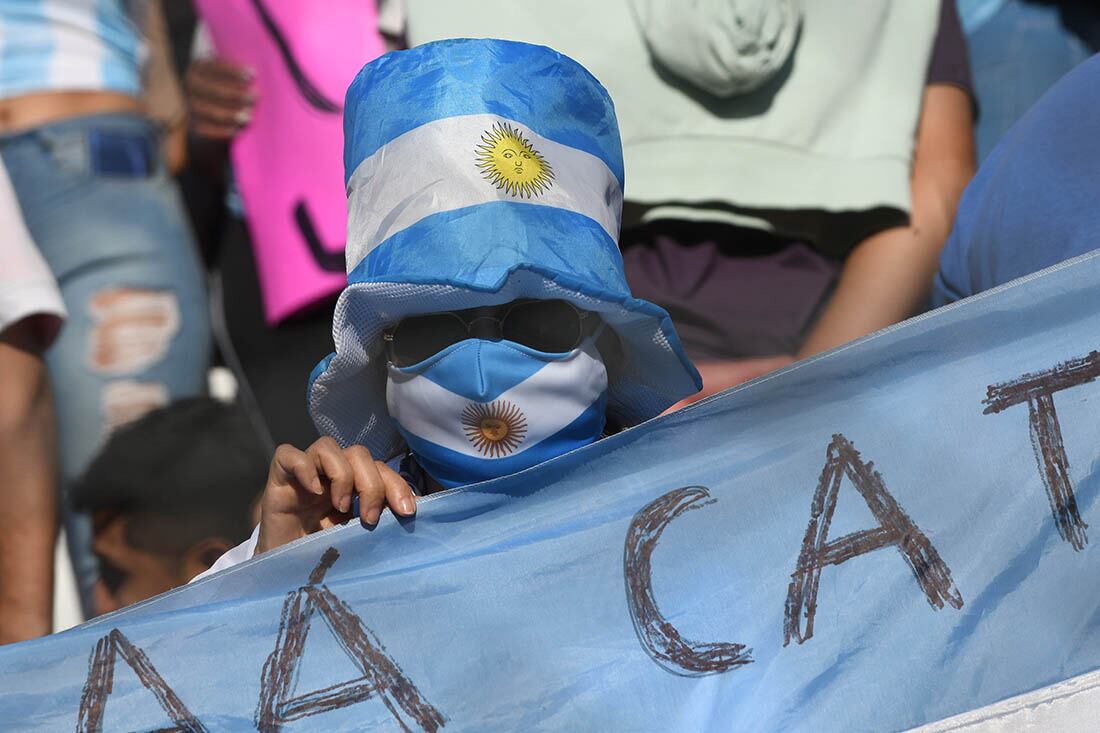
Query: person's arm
point(722, 374)
point(220, 98)
point(888, 276)
point(28, 505)
point(162, 96)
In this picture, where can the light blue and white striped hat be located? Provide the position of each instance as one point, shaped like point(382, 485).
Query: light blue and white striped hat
point(437, 220)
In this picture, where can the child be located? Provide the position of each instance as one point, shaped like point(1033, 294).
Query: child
point(486, 326)
point(168, 495)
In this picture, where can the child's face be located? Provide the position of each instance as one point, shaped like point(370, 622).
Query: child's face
point(129, 573)
point(485, 392)
point(550, 326)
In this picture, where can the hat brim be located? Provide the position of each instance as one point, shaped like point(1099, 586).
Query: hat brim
point(347, 390)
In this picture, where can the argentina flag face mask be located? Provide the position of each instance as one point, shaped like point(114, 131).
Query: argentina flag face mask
point(483, 409)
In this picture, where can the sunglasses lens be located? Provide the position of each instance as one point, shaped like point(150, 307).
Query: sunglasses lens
point(544, 325)
point(418, 337)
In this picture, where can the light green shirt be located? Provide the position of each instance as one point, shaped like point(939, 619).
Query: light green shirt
point(829, 127)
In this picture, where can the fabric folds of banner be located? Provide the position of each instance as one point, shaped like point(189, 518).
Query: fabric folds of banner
point(897, 532)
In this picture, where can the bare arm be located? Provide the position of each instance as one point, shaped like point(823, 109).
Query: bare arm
point(887, 277)
point(163, 97)
point(28, 504)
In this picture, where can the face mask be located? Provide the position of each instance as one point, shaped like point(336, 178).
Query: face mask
point(482, 409)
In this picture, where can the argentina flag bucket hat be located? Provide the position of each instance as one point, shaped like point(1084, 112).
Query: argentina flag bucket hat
point(439, 220)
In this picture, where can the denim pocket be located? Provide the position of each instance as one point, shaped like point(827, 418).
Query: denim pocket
point(103, 154)
point(67, 151)
point(121, 154)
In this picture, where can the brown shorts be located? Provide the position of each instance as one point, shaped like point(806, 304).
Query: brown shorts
point(732, 292)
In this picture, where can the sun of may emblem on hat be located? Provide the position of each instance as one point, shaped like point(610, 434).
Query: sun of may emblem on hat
point(495, 429)
point(508, 161)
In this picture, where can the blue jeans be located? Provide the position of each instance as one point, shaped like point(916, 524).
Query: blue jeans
point(113, 229)
point(1015, 56)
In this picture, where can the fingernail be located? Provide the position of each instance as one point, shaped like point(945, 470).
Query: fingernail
point(408, 506)
point(243, 117)
point(372, 516)
point(317, 488)
point(248, 73)
point(345, 504)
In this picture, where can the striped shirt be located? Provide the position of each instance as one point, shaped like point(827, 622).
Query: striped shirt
point(54, 45)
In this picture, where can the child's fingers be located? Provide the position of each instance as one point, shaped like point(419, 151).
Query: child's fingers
point(291, 465)
point(399, 495)
point(368, 484)
point(329, 458)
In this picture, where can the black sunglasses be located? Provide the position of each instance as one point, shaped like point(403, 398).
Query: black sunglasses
point(553, 326)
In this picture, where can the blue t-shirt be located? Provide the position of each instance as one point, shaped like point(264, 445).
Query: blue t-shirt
point(1036, 199)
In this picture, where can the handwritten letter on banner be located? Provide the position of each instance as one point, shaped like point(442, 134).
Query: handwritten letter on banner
point(901, 531)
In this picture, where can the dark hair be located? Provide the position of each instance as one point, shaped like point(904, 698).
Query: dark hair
point(180, 474)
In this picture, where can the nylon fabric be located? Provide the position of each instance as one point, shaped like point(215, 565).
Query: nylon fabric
point(344, 389)
point(545, 90)
point(462, 235)
point(520, 603)
point(479, 246)
point(463, 369)
point(467, 403)
point(400, 185)
point(453, 468)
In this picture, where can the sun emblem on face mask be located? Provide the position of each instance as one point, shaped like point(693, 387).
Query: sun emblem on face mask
point(495, 429)
point(508, 161)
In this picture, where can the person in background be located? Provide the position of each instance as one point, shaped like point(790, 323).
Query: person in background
point(1033, 202)
point(794, 166)
point(1018, 50)
point(268, 360)
point(239, 89)
point(31, 313)
point(887, 276)
point(486, 326)
point(88, 169)
point(169, 494)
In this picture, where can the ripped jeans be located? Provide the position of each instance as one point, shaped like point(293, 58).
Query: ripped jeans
point(110, 222)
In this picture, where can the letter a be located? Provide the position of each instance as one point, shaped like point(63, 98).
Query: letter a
point(895, 528)
point(380, 674)
point(101, 680)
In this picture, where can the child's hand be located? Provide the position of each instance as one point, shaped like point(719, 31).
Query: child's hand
point(312, 490)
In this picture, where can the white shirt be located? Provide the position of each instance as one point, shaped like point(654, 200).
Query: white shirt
point(244, 551)
point(27, 286)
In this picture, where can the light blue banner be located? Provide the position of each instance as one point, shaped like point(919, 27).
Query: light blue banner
point(739, 565)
